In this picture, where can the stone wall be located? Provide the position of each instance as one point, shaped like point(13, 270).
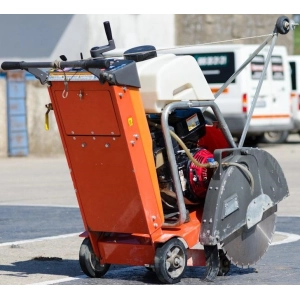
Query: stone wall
point(199, 29)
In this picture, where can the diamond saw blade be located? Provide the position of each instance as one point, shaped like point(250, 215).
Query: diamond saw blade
point(246, 246)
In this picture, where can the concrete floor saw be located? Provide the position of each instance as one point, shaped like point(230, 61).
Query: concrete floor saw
point(157, 186)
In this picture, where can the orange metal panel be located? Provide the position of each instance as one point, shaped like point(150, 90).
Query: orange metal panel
point(87, 112)
point(147, 142)
point(112, 173)
point(189, 231)
point(128, 254)
point(196, 258)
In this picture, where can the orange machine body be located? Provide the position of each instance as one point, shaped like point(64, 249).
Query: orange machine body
point(108, 147)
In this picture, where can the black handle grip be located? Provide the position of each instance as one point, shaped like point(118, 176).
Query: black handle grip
point(84, 64)
point(22, 65)
point(97, 63)
point(11, 65)
point(108, 31)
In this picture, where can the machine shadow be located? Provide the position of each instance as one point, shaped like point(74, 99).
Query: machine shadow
point(46, 266)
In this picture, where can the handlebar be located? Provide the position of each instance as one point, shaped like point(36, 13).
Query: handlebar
point(84, 64)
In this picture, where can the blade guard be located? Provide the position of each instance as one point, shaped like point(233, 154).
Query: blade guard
point(234, 198)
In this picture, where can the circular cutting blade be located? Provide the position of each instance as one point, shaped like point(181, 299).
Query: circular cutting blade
point(246, 246)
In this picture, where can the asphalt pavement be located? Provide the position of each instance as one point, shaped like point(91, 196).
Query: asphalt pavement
point(40, 226)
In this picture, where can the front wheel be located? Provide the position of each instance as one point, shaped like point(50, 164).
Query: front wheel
point(89, 263)
point(170, 261)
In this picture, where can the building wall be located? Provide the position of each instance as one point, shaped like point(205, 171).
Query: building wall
point(42, 142)
point(86, 31)
point(81, 34)
point(3, 120)
point(128, 31)
point(199, 29)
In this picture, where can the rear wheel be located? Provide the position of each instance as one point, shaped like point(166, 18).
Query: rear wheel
point(89, 263)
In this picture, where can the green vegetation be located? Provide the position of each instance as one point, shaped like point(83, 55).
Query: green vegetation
point(297, 40)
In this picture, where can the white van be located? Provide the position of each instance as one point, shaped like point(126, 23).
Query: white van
point(294, 61)
point(271, 120)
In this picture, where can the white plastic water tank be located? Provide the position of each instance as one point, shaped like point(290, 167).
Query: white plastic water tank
point(168, 78)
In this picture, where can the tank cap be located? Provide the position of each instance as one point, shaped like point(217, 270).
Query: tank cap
point(140, 53)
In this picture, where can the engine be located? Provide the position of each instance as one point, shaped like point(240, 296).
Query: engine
point(189, 126)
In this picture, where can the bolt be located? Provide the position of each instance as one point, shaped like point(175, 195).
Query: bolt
point(176, 261)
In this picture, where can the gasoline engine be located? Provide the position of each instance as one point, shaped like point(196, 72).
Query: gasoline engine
point(187, 127)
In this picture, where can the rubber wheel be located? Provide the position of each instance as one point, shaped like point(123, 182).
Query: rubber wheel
point(224, 264)
point(274, 137)
point(212, 263)
point(280, 25)
point(170, 261)
point(89, 263)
